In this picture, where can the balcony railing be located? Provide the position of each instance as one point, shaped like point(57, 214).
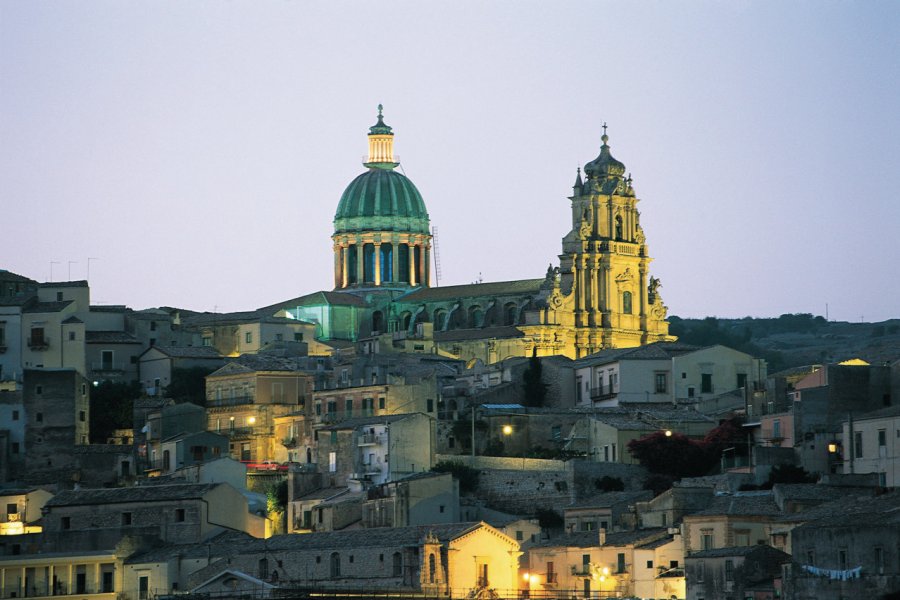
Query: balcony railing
point(551, 577)
point(235, 401)
point(603, 393)
point(369, 439)
point(38, 344)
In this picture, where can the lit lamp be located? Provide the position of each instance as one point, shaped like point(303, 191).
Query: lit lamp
point(251, 420)
point(832, 447)
point(668, 434)
point(507, 430)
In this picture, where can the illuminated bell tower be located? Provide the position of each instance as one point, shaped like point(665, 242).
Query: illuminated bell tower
point(382, 234)
point(604, 266)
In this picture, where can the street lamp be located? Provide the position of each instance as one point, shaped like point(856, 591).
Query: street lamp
point(507, 430)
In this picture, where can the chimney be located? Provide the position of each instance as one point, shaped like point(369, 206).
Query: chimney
point(602, 536)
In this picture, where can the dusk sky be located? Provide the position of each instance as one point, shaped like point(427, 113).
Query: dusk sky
point(196, 151)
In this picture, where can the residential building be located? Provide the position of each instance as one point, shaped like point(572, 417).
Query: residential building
point(419, 499)
point(91, 519)
point(57, 418)
point(233, 334)
point(669, 508)
point(612, 511)
point(733, 519)
point(597, 564)
point(187, 449)
point(158, 363)
point(735, 572)
point(375, 450)
point(21, 510)
point(12, 434)
point(245, 397)
point(91, 575)
point(871, 444)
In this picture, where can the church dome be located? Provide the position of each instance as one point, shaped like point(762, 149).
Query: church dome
point(381, 200)
point(605, 166)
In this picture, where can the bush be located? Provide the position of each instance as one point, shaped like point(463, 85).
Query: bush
point(466, 475)
point(609, 484)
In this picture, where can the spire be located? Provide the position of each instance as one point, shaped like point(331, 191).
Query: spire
point(605, 166)
point(381, 144)
point(578, 182)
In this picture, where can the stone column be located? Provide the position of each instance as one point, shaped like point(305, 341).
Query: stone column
point(345, 252)
point(377, 246)
point(423, 265)
point(395, 259)
point(412, 264)
point(360, 261)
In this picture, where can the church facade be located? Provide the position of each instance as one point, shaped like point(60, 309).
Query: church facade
point(600, 296)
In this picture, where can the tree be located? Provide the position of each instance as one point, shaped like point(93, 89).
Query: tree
point(466, 475)
point(549, 518)
point(674, 455)
point(535, 390)
point(112, 407)
point(189, 385)
point(609, 484)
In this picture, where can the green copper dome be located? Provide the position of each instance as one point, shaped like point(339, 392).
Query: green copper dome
point(381, 200)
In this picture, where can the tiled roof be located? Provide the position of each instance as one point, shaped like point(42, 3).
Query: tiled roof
point(881, 413)
point(657, 351)
point(64, 284)
point(739, 551)
point(231, 544)
point(608, 499)
point(647, 417)
point(152, 493)
point(323, 494)
point(860, 508)
point(47, 307)
point(509, 331)
point(497, 288)
point(10, 276)
point(748, 504)
point(315, 299)
point(363, 421)
point(108, 308)
point(591, 539)
point(186, 351)
point(110, 337)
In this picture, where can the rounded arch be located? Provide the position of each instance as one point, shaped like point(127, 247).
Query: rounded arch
point(510, 313)
point(476, 316)
point(440, 319)
point(405, 320)
point(626, 303)
point(377, 321)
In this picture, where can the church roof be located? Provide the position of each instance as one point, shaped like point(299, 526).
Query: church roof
point(482, 333)
point(658, 350)
point(495, 288)
point(318, 299)
point(381, 193)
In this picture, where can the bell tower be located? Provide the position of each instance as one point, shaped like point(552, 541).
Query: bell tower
point(604, 265)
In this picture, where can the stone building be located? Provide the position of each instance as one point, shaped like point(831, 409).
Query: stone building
point(600, 296)
point(735, 572)
point(57, 417)
point(94, 519)
point(419, 499)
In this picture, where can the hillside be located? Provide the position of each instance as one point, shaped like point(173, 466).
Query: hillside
point(795, 339)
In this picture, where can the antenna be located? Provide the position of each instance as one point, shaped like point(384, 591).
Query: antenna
point(437, 257)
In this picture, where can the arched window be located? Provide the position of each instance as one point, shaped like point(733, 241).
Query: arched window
point(368, 263)
point(263, 568)
point(335, 564)
point(387, 262)
point(440, 319)
point(397, 565)
point(308, 455)
point(405, 320)
point(618, 227)
point(626, 303)
point(476, 316)
point(509, 314)
point(403, 263)
point(351, 264)
point(431, 568)
point(377, 321)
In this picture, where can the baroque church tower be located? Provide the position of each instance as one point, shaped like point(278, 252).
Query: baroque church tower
point(604, 266)
point(382, 234)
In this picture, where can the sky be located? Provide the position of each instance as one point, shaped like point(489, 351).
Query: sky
point(192, 154)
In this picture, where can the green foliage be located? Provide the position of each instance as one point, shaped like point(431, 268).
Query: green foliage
point(462, 431)
point(675, 455)
point(189, 385)
point(709, 331)
point(892, 329)
point(658, 483)
point(878, 331)
point(609, 484)
point(549, 518)
point(789, 474)
point(112, 407)
point(277, 497)
point(466, 475)
point(534, 389)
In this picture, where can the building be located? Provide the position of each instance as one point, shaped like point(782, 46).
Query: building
point(871, 444)
point(611, 511)
point(420, 499)
point(92, 519)
point(21, 510)
point(735, 572)
point(735, 519)
point(158, 364)
point(600, 296)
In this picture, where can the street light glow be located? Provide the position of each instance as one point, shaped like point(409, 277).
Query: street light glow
point(507, 429)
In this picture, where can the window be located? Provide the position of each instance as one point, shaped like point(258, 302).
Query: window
point(626, 303)
point(15, 447)
point(519, 535)
point(15, 415)
point(248, 337)
point(701, 570)
point(620, 562)
point(729, 570)
point(381, 403)
point(842, 559)
point(81, 416)
point(741, 537)
point(65, 523)
point(38, 390)
point(587, 525)
point(397, 564)
point(71, 336)
point(706, 386)
point(348, 407)
point(126, 518)
point(179, 515)
point(263, 568)
point(879, 560)
point(551, 574)
point(333, 438)
point(332, 462)
point(430, 405)
point(706, 539)
point(857, 444)
point(776, 428)
point(39, 417)
point(741, 380)
point(59, 296)
point(649, 564)
point(882, 438)
point(207, 341)
point(432, 568)
point(298, 336)
point(37, 337)
point(279, 337)
point(661, 387)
